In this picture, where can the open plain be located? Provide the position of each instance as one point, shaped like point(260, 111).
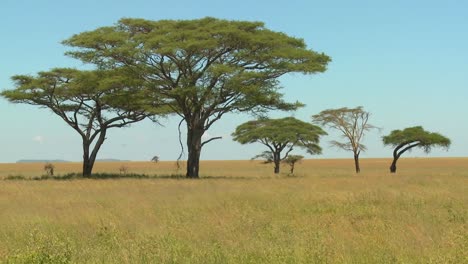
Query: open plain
point(239, 212)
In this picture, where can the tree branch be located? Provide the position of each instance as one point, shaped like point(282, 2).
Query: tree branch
point(408, 147)
point(211, 139)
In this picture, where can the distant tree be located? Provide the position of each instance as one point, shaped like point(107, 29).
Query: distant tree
point(291, 160)
point(411, 137)
point(155, 159)
point(90, 102)
point(280, 135)
point(49, 169)
point(352, 123)
point(202, 68)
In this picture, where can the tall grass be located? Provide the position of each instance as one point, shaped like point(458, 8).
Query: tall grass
point(326, 214)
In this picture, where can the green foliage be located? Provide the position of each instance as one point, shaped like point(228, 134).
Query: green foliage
point(283, 133)
point(88, 101)
point(424, 139)
point(211, 64)
point(267, 157)
point(73, 94)
point(278, 135)
point(203, 68)
point(292, 159)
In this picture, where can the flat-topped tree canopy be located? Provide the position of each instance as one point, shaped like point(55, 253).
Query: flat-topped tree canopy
point(412, 137)
point(88, 101)
point(278, 135)
point(70, 88)
point(202, 68)
point(424, 139)
point(280, 132)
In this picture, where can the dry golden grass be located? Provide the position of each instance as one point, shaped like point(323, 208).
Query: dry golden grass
point(325, 214)
point(249, 169)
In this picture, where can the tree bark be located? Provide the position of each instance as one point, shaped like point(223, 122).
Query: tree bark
point(87, 162)
point(393, 166)
point(90, 158)
point(194, 145)
point(356, 162)
point(397, 152)
point(277, 161)
point(277, 167)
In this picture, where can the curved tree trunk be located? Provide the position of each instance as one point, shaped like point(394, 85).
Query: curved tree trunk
point(194, 145)
point(393, 166)
point(356, 162)
point(397, 152)
point(396, 156)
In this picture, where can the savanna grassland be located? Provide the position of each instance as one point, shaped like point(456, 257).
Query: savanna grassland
point(240, 213)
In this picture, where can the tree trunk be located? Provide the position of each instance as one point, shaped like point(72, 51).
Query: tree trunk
point(194, 145)
point(90, 158)
point(393, 166)
point(277, 160)
point(87, 162)
point(397, 152)
point(396, 156)
point(277, 167)
point(356, 162)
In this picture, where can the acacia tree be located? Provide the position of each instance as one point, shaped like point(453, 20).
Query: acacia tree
point(202, 68)
point(90, 102)
point(352, 123)
point(291, 160)
point(278, 135)
point(411, 137)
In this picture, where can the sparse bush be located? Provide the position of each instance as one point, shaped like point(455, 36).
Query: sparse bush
point(15, 177)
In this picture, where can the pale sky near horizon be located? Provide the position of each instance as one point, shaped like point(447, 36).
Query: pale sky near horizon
point(406, 62)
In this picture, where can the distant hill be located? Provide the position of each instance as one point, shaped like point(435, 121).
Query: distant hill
point(41, 161)
point(110, 160)
point(62, 161)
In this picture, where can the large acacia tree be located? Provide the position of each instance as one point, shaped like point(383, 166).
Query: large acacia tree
point(352, 123)
point(280, 135)
point(202, 68)
point(90, 102)
point(412, 137)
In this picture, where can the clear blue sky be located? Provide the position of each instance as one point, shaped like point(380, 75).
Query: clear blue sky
point(405, 61)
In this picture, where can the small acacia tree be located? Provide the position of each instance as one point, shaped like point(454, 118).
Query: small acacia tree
point(352, 123)
point(90, 102)
point(411, 137)
point(280, 135)
point(155, 159)
point(291, 160)
point(202, 68)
